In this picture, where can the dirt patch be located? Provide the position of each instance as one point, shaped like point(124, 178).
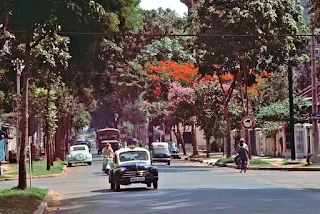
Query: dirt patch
point(54, 204)
point(6, 169)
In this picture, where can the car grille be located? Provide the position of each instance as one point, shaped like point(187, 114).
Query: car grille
point(161, 156)
point(141, 173)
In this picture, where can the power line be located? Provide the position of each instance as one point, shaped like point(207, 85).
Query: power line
point(173, 35)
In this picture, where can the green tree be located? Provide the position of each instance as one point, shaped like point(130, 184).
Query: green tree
point(270, 117)
point(44, 18)
point(207, 103)
point(237, 55)
point(315, 12)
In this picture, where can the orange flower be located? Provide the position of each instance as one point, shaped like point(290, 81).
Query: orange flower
point(227, 77)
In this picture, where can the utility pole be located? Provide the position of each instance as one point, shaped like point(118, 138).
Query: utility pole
point(245, 70)
point(291, 112)
point(18, 66)
point(314, 83)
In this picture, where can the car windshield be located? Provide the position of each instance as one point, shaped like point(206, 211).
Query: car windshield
point(160, 151)
point(79, 148)
point(133, 155)
point(172, 145)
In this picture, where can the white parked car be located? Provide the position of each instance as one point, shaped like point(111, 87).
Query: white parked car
point(79, 154)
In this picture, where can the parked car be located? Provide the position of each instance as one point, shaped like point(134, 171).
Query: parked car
point(132, 165)
point(174, 150)
point(79, 154)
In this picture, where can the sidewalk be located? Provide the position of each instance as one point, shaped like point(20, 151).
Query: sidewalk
point(256, 163)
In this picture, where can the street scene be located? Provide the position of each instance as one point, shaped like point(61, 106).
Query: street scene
point(171, 106)
point(185, 188)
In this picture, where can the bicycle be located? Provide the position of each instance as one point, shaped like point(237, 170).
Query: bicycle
point(243, 166)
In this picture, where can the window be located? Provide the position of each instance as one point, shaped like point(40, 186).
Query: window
point(79, 148)
point(133, 155)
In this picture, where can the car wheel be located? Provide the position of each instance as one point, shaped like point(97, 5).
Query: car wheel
point(148, 184)
point(69, 164)
point(155, 184)
point(117, 186)
point(168, 163)
point(89, 163)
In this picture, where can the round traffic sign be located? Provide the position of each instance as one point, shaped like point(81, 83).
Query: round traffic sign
point(247, 122)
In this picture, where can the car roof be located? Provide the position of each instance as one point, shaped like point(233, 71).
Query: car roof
point(130, 149)
point(79, 145)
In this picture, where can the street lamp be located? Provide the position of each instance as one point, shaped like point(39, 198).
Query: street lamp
point(18, 66)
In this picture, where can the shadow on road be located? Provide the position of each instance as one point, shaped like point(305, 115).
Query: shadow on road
point(193, 200)
point(137, 189)
point(179, 169)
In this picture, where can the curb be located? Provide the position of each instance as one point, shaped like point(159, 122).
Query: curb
point(37, 176)
point(42, 207)
point(305, 169)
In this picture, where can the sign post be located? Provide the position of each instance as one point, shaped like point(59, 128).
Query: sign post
point(247, 122)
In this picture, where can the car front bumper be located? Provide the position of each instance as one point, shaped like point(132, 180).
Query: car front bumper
point(127, 181)
point(161, 159)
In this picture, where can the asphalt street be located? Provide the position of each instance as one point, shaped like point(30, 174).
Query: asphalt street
point(185, 188)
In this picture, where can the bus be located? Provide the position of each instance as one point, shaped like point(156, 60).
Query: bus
point(108, 135)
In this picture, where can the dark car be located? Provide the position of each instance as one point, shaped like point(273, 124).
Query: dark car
point(174, 150)
point(133, 165)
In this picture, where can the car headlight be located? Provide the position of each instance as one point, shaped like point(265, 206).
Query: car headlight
point(121, 171)
point(153, 170)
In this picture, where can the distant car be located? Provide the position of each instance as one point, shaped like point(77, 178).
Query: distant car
point(79, 154)
point(160, 152)
point(133, 165)
point(84, 142)
point(174, 150)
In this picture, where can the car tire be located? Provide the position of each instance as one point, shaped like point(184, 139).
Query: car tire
point(155, 185)
point(117, 186)
point(148, 184)
point(69, 164)
point(168, 163)
point(89, 163)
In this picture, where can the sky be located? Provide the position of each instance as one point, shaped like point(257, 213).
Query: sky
point(176, 5)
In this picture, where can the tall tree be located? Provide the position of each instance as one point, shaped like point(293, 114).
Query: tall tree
point(46, 18)
point(260, 46)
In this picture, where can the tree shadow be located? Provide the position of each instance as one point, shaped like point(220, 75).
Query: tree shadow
point(194, 200)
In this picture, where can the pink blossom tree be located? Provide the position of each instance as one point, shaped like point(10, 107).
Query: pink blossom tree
point(180, 109)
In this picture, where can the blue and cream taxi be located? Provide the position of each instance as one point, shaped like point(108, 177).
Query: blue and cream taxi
point(133, 165)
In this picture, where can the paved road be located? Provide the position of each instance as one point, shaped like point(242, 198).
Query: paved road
point(187, 188)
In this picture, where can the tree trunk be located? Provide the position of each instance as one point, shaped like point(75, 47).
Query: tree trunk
point(150, 132)
point(22, 184)
point(181, 141)
point(51, 142)
point(227, 118)
point(48, 139)
point(208, 147)
point(194, 139)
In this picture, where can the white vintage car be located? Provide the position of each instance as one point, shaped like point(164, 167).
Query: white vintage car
point(79, 154)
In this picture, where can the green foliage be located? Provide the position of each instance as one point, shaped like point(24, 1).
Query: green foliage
point(274, 115)
point(165, 49)
point(81, 118)
point(135, 113)
point(2, 97)
point(249, 17)
point(315, 12)
point(279, 111)
point(236, 112)
point(128, 128)
point(207, 103)
point(44, 107)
